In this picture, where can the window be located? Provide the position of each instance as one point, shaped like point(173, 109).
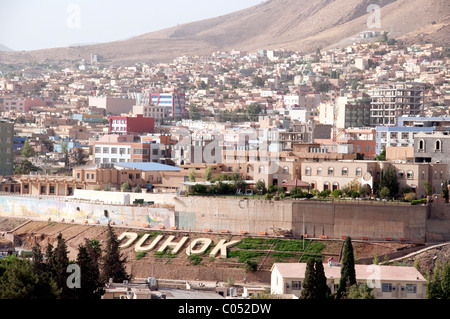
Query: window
point(106, 150)
point(113, 150)
point(437, 145)
point(326, 186)
point(308, 171)
point(411, 288)
point(344, 171)
point(285, 170)
point(319, 171)
point(261, 169)
point(367, 148)
point(358, 171)
point(296, 285)
point(422, 145)
point(330, 170)
point(423, 174)
point(409, 174)
point(386, 287)
point(98, 150)
point(401, 173)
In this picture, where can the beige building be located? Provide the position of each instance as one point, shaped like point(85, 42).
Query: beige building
point(334, 175)
point(388, 282)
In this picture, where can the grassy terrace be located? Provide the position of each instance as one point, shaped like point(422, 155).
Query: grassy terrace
point(279, 250)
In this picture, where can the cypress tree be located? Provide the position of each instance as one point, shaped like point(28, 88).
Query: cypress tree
point(113, 263)
point(59, 262)
point(91, 286)
point(348, 274)
point(322, 289)
point(309, 290)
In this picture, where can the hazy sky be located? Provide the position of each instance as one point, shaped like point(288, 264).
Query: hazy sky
point(38, 24)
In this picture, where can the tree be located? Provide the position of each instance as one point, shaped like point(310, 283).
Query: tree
point(389, 179)
point(79, 157)
point(253, 110)
point(381, 156)
point(59, 264)
point(309, 283)
point(428, 188)
point(113, 266)
point(91, 287)
point(192, 175)
point(445, 190)
point(125, 187)
point(323, 291)
point(360, 292)
point(260, 186)
point(208, 173)
point(315, 283)
point(348, 274)
point(27, 150)
point(384, 193)
point(18, 281)
point(438, 284)
point(25, 167)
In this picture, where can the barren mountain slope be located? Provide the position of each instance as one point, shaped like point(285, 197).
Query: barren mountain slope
point(300, 25)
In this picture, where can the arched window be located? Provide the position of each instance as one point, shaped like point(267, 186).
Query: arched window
point(401, 173)
point(261, 169)
point(422, 145)
point(319, 171)
point(330, 170)
point(438, 145)
point(413, 187)
point(285, 170)
point(435, 174)
point(326, 186)
point(441, 175)
point(344, 171)
point(409, 174)
point(313, 185)
point(358, 171)
point(335, 186)
point(308, 171)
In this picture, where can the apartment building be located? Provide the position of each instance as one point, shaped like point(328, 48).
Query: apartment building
point(112, 105)
point(172, 102)
point(388, 102)
point(397, 136)
point(347, 113)
point(388, 282)
point(159, 113)
point(131, 125)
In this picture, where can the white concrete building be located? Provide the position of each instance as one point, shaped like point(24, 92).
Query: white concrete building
point(388, 282)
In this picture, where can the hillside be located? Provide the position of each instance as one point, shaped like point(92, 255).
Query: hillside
point(299, 25)
point(259, 250)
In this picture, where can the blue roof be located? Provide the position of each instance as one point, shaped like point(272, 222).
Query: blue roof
point(149, 166)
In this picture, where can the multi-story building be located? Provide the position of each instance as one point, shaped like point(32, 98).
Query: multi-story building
point(131, 125)
point(388, 102)
point(159, 113)
point(432, 148)
point(337, 174)
point(6, 148)
point(172, 102)
point(120, 149)
point(112, 105)
point(397, 136)
point(347, 113)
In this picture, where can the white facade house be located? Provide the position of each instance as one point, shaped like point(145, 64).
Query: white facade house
point(388, 282)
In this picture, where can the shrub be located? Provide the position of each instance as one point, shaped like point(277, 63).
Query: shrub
point(125, 187)
point(199, 189)
point(419, 201)
point(195, 259)
point(337, 193)
point(140, 255)
point(409, 197)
